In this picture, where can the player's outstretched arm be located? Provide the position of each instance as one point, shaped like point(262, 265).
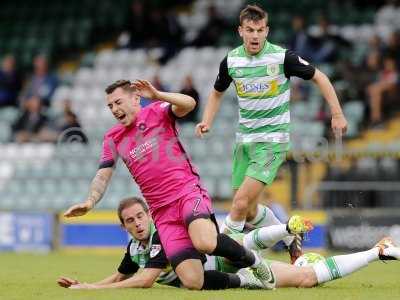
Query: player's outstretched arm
point(96, 192)
point(145, 278)
point(212, 107)
point(339, 123)
point(181, 104)
point(67, 282)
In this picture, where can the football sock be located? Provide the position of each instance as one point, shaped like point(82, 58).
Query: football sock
point(266, 237)
point(215, 280)
point(265, 217)
point(339, 266)
point(233, 251)
point(234, 226)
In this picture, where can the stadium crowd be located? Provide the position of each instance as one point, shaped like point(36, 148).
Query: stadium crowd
point(373, 77)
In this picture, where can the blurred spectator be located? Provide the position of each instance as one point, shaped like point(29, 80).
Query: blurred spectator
point(157, 83)
point(211, 32)
point(41, 84)
point(10, 82)
point(384, 89)
point(299, 42)
point(165, 32)
point(153, 27)
point(69, 128)
point(375, 44)
point(189, 89)
point(359, 77)
point(31, 125)
point(137, 25)
point(326, 43)
point(393, 47)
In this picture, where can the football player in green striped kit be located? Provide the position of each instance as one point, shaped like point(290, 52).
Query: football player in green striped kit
point(261, 73)
point(145, 262)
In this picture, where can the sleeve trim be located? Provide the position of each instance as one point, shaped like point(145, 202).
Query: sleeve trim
point(106, 164)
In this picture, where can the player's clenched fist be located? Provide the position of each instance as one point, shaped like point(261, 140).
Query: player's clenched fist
point(201, 129)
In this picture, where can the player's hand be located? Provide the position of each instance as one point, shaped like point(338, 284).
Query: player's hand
point(79, 209)
point(145, 89)
point(66, 282)
point(201, 129)
point(339, 125)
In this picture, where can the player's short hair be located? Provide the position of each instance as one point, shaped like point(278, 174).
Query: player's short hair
point(122, 83)
point(128, 202)
point(253, 13)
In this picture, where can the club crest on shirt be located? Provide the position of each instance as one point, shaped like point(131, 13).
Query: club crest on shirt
point(155, 249)
point(273, 69)
point(142, 126)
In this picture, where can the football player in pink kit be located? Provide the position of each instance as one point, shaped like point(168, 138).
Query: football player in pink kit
point(146, 140)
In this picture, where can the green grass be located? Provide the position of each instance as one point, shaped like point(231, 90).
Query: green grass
point(28, 276)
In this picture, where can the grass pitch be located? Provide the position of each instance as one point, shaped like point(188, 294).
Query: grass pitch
point(28, 276)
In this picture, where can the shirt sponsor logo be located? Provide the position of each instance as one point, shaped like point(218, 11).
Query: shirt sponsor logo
point(258, 87)
point(141, 150)
point(155, 249)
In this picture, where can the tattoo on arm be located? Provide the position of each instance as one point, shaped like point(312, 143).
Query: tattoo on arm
point(98, 187)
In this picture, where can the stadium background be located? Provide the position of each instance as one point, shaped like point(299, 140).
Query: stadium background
point(349, 188)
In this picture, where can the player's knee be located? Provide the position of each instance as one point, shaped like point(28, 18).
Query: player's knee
point(205, 243)
point(203, 234)
point(192, 281)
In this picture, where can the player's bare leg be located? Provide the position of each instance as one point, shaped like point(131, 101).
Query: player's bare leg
point(244, 198)
point(191, 274)
point(292, 276)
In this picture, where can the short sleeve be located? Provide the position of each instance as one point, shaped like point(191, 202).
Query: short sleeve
point(223, 79)
point(294, 65)
point(158, 259)
point(127, 266)
point(164, 110)
point(108, 153)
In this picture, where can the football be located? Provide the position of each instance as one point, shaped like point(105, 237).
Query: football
point(308, 259)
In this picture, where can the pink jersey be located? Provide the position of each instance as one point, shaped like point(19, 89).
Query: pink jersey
point(153, 154)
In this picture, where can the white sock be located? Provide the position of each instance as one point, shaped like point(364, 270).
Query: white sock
point(392, 251)
point(265, 217)
point(371, 255)
point(266, 237)
point(257, 260)
point(234, 226)
point(339, 266)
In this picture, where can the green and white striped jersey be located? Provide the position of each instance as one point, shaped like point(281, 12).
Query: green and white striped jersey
point(262, 83)
point(151, 255)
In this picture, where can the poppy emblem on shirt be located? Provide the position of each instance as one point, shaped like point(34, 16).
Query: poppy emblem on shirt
point(155, 249)
point(142, 126)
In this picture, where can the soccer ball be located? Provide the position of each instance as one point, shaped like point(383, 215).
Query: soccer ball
point(308, 259)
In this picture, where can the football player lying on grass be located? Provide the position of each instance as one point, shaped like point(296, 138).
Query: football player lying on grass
point(145, 262)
